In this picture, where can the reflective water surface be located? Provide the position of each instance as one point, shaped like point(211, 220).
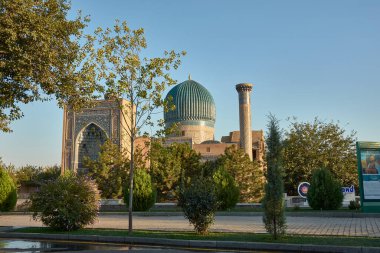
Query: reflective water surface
point(21, 245)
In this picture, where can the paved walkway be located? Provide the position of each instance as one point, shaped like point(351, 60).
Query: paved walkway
point(296, 225)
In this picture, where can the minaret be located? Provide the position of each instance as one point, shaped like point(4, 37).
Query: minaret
point(244, 90)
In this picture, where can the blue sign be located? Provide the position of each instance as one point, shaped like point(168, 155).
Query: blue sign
point(303, 188)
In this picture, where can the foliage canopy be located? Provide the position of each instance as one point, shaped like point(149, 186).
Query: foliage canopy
point(40, 56)
point(311, 145)
point(246, 173)
point(110, 170)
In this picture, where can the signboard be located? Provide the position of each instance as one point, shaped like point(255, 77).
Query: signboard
point(303, 188)
point(368, 155)
point(348, 194)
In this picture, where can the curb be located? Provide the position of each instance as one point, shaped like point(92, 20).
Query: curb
point(216, 245)
point(324, 214)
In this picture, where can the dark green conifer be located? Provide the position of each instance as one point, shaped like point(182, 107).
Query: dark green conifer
point(273, 203)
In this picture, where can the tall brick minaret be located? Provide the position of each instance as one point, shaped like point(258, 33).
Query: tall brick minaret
point(244, 90)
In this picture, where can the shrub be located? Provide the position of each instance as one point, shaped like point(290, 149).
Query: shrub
point(199, 204)
point(354, 205)
point(69, 203)
point(8, 191)
point(226, 188)
point(325, 191)
point(144, 194)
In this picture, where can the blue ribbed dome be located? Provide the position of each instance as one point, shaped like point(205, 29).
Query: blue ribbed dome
point(194, 105)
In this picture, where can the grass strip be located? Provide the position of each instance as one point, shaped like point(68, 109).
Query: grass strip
point(219, 236)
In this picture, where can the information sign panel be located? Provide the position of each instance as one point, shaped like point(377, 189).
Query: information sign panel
point(368, 155)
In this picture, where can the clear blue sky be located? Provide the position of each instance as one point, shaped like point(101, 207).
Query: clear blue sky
point(306, 58)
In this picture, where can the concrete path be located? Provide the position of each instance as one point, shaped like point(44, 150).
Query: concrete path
point(253, 224)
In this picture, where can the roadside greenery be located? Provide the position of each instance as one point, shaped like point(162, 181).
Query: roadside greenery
point(68, 203)
point(144, 193)
point(273, 203)
point(199, 203)
point(227, 190)
point(8, 191)
point(222, 236)
point(325, 191)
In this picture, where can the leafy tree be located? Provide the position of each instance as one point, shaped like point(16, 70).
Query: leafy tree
point(144, 192)
point(227, 190)
point(199, 203)
point(69, 203)
point(30, 175)
point(109, 171)
point(27, 175)
point(273, 202)
point(165, 171)
point(247, 174)
point(325, 192)
point(124, 73)
point(8, 191)
point(40, 56)
point(48, 173)
point(310, 145)
point(173, 167)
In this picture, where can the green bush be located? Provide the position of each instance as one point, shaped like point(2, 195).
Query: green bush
point(69, 203)
point(144, 194)
point(8, 192)
point(354, 205)
point(325, 191)
point(199, 203)
point(226, 188)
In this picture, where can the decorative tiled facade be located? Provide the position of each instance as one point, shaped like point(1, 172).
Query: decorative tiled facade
point(85, 131)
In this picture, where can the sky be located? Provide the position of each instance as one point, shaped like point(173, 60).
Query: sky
point(306, 59)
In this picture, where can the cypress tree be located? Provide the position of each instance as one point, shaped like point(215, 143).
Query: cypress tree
point(273, 202)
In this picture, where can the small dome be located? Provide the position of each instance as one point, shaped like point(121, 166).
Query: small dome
point(193, 102)
point(211, 142)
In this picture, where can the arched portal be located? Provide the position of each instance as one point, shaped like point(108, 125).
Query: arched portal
point(88, 143)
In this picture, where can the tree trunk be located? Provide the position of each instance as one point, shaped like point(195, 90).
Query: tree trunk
point(131, 170)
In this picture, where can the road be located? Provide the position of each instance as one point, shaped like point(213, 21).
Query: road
point(296, 225)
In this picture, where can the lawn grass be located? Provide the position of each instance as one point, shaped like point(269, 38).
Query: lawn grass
point(220, 236)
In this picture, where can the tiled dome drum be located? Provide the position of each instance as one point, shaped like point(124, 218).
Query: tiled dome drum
point(194, 110)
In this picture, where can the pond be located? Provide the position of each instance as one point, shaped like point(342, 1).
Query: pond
point(34, 246)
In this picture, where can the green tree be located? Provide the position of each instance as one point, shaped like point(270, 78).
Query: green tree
point(40, 56)
point(325, 192)
point(311, 145)
point(144, 192)
point(173, 167)
point(125, 73)
point(109, 170)
point(48, 173)
point(273, 202)
point(199, 203)
point(165, 169)
point(68, 203)
point(247, 174)
point(226, 188)
point(8, 191)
